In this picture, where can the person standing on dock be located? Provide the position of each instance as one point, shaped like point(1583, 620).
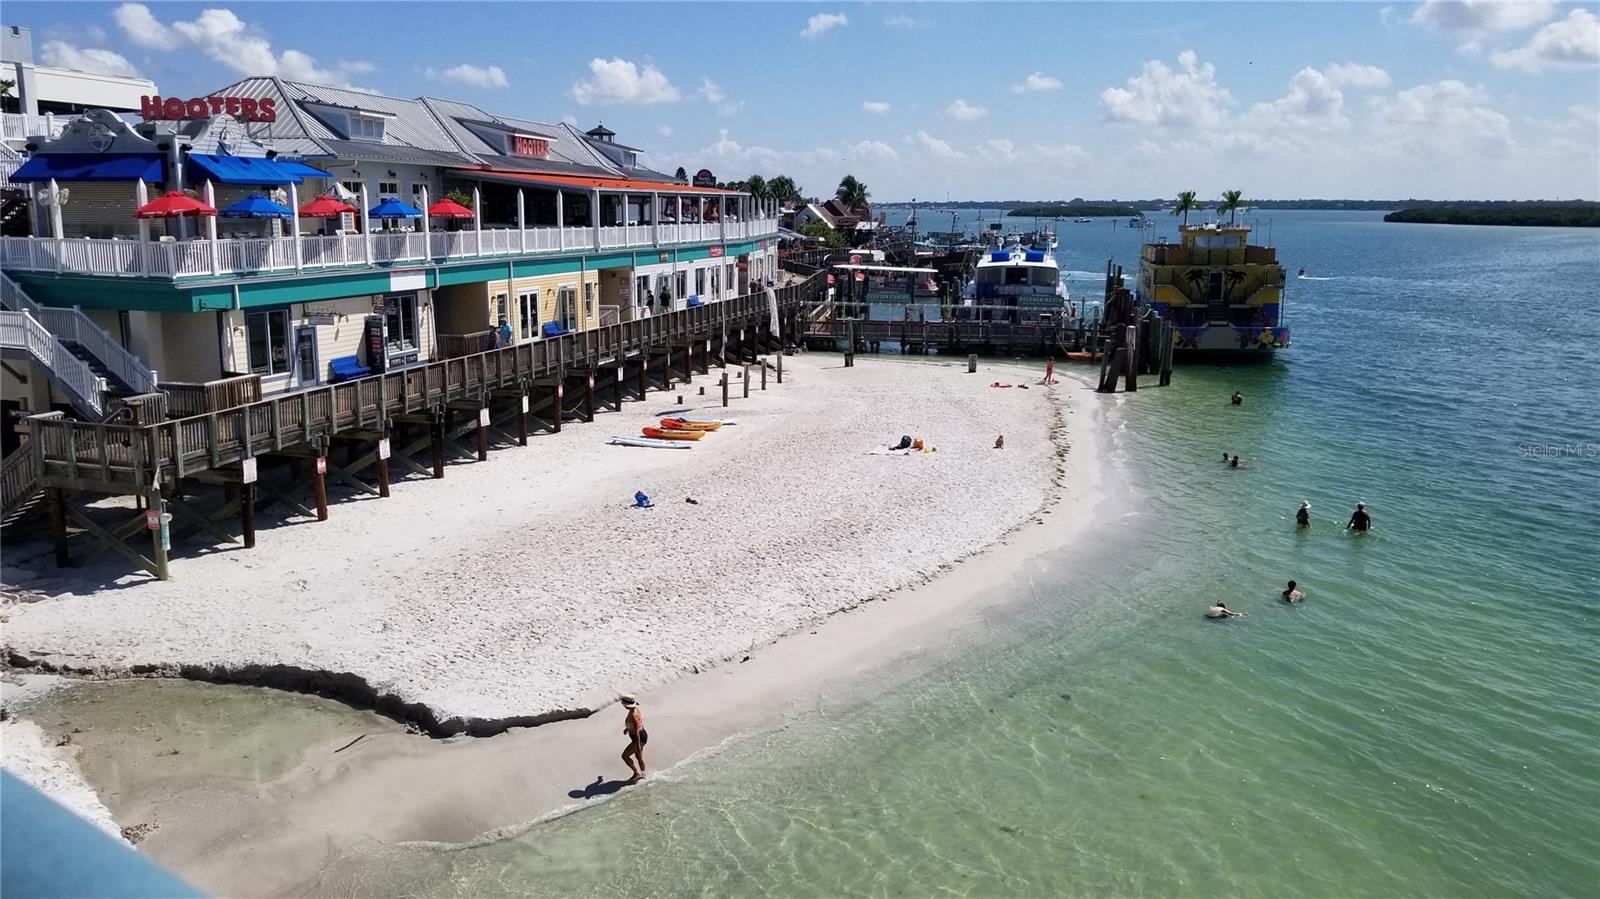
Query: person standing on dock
point(633, 727)
point(1360, 520)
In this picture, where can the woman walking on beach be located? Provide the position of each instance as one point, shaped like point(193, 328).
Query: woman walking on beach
point(633, 727)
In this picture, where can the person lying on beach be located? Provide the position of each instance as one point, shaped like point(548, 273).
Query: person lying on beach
point(1290, 594)
point(633, 727)
point(1000, 441)
point(1302, 518)
point(1360, 520)
point(1221, 610)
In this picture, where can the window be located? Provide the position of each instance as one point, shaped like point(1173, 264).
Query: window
point(267, 341)
point(700, 282)
point(683, 284)
point(417, 187)
point(716, 283)
point(588, 301)
point(528, 305)
point(567, 306)
point(401, 314)
point(502, 310)
point(641, 289)
point(365, 127)
point(731, 279)
point(352, 186)
point(664, 287)
point(388, 188)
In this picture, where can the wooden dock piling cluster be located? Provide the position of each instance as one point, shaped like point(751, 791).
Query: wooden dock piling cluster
point(272, 451)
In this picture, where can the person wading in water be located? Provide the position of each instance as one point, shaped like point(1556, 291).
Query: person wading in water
point(633, 727)
point(1360, 520)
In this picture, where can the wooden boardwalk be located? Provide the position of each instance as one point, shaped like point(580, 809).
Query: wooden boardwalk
point(340, 430)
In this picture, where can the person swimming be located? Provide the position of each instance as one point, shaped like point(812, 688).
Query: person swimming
point(1220, 610)
point(1224, 458)
point(1238, 398)
point(1360, 520)
point(1290, 594)
point(1235, 463)
point(1302, 518)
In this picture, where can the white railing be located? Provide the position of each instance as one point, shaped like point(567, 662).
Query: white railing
point(73, 325)
point(19, 331)
point(255, 255)
point(20, 126)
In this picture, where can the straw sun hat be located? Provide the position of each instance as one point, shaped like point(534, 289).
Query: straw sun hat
point(629, 701)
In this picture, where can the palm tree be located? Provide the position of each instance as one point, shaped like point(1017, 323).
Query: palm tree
point(783, 189)
point(681, 176)
point(852, 193)
point(1187, 202)
point(1231, 201)
point(757, 186)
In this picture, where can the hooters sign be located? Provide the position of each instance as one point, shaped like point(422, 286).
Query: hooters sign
point(536, 147)
point(156, 108)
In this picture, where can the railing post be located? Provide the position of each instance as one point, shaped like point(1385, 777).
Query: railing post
point(522, 220)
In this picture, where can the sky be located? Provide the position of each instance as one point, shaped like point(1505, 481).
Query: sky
point(1436, 99)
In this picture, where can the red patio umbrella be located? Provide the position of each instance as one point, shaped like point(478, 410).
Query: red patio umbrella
point(450, 209)
point(325, 207)
point(172, 204)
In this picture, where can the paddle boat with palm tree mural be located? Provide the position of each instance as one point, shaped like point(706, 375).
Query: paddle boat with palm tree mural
point(1224, 294)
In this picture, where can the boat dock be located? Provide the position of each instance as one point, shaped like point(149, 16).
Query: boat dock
point(286, 448)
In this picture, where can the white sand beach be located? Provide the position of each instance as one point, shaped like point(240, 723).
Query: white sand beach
point(526, 587)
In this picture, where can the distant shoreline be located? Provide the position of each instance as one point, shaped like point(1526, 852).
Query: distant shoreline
point(1567, 215)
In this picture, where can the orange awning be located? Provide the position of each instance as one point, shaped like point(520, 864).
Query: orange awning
point(587, 182)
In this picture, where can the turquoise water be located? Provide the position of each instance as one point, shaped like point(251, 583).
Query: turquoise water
point(1425, 724)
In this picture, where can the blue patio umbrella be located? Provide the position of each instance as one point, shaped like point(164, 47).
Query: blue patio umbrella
point(392, 208)
point(256, 206)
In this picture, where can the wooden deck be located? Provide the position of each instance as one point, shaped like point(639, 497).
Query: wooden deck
point(131, 459)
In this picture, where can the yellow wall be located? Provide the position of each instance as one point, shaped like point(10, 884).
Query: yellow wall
point(548, 287)
point(190, 342)
point(343, 337)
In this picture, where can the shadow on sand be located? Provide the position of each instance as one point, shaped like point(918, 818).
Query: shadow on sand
point(600, 787)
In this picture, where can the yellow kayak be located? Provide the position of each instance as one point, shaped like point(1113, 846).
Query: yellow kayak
point(683, 424)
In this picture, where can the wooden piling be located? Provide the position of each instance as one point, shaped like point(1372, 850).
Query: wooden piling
point(247, 505)
point(319, 481)
point(382, 464)
point(1131, 339)
point(483, 433)
point(780, 368)
point(522, 419)
point(972, 363)
point(724, 389)
point(161, 533)
point(745, 377)
point(58, 526)
point(764, 373)
point(436, 435)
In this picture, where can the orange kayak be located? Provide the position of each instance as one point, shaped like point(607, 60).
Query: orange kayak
point(672, 434)
point(682, 424)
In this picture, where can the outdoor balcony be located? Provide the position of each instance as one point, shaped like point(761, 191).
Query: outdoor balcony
point(230, 257)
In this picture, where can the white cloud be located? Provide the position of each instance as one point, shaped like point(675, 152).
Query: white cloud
point(664, 130)
point(822, 23)
point(1066, 156)
point(1386, 17)
point(1570, 43)
point(238, 45)
point(1443, 118)
point(902, 21)
point(144, 29)
point(876, 107)
point(728, 154)
point(1161, 96)
point(1313, 101)
point(1353, 74)
point(716, 96)
point(873, 149)
point(618, 80)
point(1000, 149)
point(1481, 18)
point(476, 76)
point(935, 147)
point(570, 119)
point(962, 111)
point(1037, 82)
point(86, 59)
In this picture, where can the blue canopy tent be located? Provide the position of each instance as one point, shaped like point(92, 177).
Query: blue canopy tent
point(295, 167)
point(241, 169)
point(256, 206)
point(92, 167)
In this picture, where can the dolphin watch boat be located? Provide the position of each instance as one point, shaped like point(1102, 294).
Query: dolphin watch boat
point(1224, 294)
point(1015, 285)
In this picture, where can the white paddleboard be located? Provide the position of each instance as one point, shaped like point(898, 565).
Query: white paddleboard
point(651, 442)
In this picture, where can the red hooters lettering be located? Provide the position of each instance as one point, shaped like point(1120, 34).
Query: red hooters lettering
point(197, 108)
point(150, 107)
point(216, 105)
point(233, 106)
point(173, 108)
point(267, 110)
point(247, 109)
